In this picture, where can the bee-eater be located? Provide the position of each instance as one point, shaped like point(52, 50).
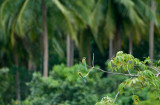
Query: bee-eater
point(84, 62)
point(80, 74)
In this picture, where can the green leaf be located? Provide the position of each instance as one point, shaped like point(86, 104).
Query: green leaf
point(147, 60)
point(135, 99)
point(120, 88)
point(21, 16)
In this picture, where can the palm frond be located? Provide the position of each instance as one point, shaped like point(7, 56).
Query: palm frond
point(69, 18)
point(131, 12)
point(20, 17)
point(58, 48)
point(2, 19)
point(110, 26)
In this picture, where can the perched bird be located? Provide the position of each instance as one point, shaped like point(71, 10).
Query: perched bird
point(80, 74)
point(84, 62)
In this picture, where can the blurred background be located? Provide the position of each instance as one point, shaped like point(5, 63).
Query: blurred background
point(42, 43)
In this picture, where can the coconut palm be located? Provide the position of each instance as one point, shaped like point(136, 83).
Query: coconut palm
point(12, 16)
point(129, 12)
point(151, 34)
point(76, 15)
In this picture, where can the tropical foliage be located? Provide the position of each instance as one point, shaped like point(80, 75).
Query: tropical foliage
point(39, 38)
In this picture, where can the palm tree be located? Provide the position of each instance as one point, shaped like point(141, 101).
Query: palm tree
point(45, 39)
point(70, 51)
point(135, 13)
point(74, 23)
point(130, 44)
point(11, 32)
point(151, 34)
point(86, 11)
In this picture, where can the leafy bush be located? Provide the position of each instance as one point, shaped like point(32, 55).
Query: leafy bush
point(8, 84)
point(135, 83)
point(64, 86)
point(5, 80)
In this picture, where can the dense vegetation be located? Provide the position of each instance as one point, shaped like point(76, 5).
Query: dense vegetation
point(136, 82)
point(42, 44)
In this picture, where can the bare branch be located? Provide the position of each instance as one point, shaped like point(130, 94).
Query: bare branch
point(88, 72)
point(116, 97)
point(128, 75)
point(118, 94)
point(127, 66)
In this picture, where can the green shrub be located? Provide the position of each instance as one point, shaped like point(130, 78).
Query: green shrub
point(64, 86)
point(4, 85)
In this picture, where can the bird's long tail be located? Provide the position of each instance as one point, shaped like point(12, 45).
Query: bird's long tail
point(83, 79)
point(85, 66)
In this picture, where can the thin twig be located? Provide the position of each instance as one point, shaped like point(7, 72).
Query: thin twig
point(88, 72)
point(114, 73)
point(125, 83)
point(116, 97)
point(118, 93)
point(128, 75)
point(127, 67)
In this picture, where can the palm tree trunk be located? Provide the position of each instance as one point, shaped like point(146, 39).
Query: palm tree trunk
point(18, 92)
point(28, 49)
point(110, 48)
point(70, 51)
point(30, 63)
point(130, 44)
point(119, 41)
point(114, 46)
point(45, 39)
point(89, 50)
point(151, 35)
